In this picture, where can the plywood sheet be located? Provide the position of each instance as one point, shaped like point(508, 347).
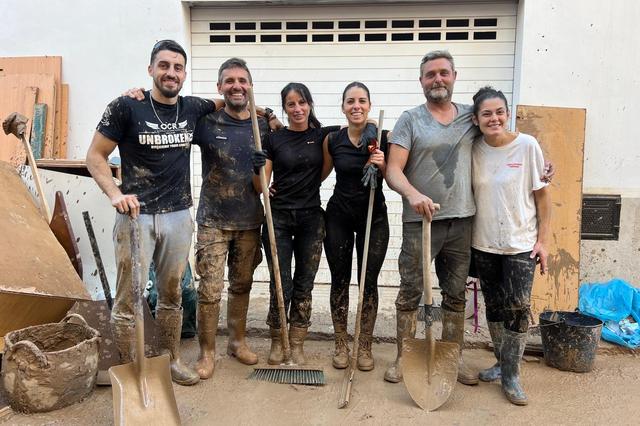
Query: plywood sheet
point(32, 262)
point(15, 93)
point(560, 132)
point(51, 65)
point(15, 98)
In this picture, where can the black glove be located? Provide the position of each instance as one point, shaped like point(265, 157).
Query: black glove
point(370, 177)
point(258, 159)
point(369, 133)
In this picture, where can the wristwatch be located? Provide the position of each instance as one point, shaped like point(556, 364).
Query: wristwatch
point(268, 114)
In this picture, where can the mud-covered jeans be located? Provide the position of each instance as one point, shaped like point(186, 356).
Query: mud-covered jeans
point(165, 238)
point(212, 247)
point(299, 235)
point(450, 246)
point(506, 282)
point(342, 230)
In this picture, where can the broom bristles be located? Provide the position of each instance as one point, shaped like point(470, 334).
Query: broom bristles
point(289, 375)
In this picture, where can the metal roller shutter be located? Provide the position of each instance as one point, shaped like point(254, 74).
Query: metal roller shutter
point(328, 47)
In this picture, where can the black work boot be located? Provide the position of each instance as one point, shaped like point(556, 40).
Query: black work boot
point(513, 345)
point(169, 328)
point(405, 328)
point(496, 329)
point(453, 331)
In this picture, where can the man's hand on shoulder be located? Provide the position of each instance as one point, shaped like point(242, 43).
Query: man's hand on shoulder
point(135, 93)
point(126, 204)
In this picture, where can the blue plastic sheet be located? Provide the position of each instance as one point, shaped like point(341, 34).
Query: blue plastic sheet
point(613, 303)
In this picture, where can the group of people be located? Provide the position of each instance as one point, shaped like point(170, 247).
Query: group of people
point(489, 182)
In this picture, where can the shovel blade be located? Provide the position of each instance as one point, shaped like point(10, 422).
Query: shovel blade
point(129, 406)
point(429, 391)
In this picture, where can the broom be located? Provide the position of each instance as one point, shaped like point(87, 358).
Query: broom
point(287, 372)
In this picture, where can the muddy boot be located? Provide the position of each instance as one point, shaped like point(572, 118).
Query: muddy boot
point(124, 338)
point(276, 356)
point(341, 355)
point(296, 340)
point(365, 358)
point(208, 314)
point(490, 374)
point(453, 331)
point(510, 355)
point(237, 306)
point(169, 324)
point(405, 328)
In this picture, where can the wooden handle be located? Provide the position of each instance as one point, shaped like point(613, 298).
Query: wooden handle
point(272, 235)
point(36, 177)
point(427, 279)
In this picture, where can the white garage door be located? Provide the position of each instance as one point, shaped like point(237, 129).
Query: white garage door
point(328, 47)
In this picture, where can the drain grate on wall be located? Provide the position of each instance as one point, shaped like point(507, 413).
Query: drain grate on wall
point(600, 217)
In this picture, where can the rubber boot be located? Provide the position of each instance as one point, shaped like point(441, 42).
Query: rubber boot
point(276, 356)
point(496, 329)
point(510, 355)
point(124, 339)
point(169, 324)
point(453, 331)
point(208, 315)
point(365, 358)
point(296, 340)
point(341, 355)
point(405, 328)
point(237, 306)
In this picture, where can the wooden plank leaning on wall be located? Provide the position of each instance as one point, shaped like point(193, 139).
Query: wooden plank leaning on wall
point(560, 132)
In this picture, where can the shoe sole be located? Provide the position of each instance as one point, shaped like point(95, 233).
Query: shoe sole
point(468, 382)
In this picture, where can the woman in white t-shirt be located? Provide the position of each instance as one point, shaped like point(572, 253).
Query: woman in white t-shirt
point(509, 232)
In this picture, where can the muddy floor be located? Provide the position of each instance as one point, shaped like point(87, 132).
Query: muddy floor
point(608, 394)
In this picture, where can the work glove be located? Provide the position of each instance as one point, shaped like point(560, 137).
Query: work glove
point(16, 124)
point(369, 136)
point(258, 159)
point(370, 176)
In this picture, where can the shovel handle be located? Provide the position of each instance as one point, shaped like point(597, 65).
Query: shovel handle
point(271, 231)
point(36, 177)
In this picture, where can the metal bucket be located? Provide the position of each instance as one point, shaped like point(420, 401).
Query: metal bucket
point(50, 366)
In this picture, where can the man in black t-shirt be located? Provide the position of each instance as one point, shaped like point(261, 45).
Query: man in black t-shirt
point(229, 217)
point(153, 137)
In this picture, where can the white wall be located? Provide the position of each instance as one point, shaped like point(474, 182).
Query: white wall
point(105, 47)
point(584, 54)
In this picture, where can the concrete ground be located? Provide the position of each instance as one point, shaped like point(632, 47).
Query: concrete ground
point(609, 393)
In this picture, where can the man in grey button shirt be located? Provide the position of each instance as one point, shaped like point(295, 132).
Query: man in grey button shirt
point(430, 162)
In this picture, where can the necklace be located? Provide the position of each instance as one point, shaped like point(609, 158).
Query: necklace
point(156, 114)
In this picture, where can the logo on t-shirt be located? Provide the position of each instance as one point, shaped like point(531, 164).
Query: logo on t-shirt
point(514, 165)
point(166, 135)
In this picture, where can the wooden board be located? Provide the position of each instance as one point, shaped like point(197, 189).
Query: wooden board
point(62, 125)
point(51, 65)
point(15, 93)
point(38, 129)
point(560, 132)
point(38, 284)
point(16, 97)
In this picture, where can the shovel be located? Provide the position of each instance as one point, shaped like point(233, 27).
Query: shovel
point(430, 368)
point(142, 390)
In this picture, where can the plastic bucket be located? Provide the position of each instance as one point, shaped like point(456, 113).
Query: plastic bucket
point(569, 340)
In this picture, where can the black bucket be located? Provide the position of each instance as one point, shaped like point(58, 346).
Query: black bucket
point(569, 340)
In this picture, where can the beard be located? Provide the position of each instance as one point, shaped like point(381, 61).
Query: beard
point(235, 105)
point(166, 92)
point(438, 94)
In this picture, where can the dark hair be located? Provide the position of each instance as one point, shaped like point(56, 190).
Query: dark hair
point(355, 84)
point(233, 63)
point(485, 93)
point(167, 45)
point(305, 94)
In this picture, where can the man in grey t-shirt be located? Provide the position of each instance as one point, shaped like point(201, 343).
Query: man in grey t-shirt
point(430, 162)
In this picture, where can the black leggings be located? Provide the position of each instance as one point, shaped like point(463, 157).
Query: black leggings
point(506, 282)
point(343, 229)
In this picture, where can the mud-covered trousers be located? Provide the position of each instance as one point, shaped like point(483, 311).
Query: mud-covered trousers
point(343, 229)
point(241, 249)
point(506, 282)
point(299, 234)
point(165, 238)
point(450, 246)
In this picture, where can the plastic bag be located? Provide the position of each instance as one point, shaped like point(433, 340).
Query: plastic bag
point(613, 303)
